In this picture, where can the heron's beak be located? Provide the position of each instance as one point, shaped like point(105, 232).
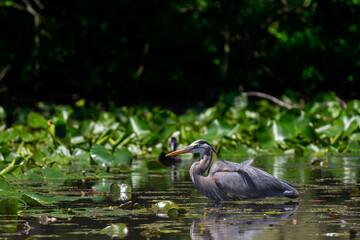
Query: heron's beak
point(183, 150)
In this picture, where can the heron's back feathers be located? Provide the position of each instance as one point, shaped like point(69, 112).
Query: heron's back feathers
point(250, 182)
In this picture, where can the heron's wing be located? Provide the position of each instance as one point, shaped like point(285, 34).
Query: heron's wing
point(236, 167)
point(251, 182)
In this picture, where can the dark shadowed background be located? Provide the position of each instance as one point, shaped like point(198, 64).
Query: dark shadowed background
point(175, 53)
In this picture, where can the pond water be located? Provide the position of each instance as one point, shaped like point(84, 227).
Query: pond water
point(328, 205)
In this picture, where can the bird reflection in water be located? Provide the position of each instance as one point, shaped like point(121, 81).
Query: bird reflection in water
point(248, 221)
point(172, 161)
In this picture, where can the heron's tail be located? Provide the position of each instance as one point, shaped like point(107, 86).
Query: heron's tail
point(289, 190)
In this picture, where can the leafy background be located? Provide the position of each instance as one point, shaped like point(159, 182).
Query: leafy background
point(105, 82)
point(176, 54)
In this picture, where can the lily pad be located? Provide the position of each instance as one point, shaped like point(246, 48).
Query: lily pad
point(165, 205)
point(173, 213)
point(118, 230)
point(36, 120)
point(139, 127)
point(52, 174)
point(104, 158)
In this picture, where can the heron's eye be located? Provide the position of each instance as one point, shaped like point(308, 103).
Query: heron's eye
point(197, 145)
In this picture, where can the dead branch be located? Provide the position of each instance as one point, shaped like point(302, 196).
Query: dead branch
point(269, 97)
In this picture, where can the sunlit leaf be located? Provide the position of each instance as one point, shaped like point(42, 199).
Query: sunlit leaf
point(266, 137)
point(218, 129)
point(104, 158)
point(30, 201)
point(140, 127)
point(38, 198)
point(36, 120)
point(165, 205)
point(123, 156)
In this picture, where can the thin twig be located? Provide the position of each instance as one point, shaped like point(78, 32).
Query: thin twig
point(341, 102)
point(30, 9)
point(39, 4)
point(18, 6)
point(4, 71)
point(269, 97)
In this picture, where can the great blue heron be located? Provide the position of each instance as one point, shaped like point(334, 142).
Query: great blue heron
point(227, 181)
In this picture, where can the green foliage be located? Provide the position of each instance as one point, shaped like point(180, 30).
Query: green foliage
point(9, 206)
point(35, 150)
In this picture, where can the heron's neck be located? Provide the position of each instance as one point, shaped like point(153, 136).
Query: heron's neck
point(197, 170)
point(205, 161)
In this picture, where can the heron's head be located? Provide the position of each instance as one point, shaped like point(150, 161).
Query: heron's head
point(196, 147)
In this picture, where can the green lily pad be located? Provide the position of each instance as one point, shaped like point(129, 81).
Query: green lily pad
point(123, 156)
point(165, 205)
point(173, 213)
point(139, 127)
point(36, 120)
point(104, 158)
point(51, 174)
point(30, 201)
point(118, 230)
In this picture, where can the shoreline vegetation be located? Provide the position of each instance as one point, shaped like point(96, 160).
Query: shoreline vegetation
point(234, 126)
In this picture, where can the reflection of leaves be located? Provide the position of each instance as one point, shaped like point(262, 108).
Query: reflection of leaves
point(121, 191)
point(333, 215)
point(9, 205)
point(173, 213)
point(354, 191)
point(319, 163)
